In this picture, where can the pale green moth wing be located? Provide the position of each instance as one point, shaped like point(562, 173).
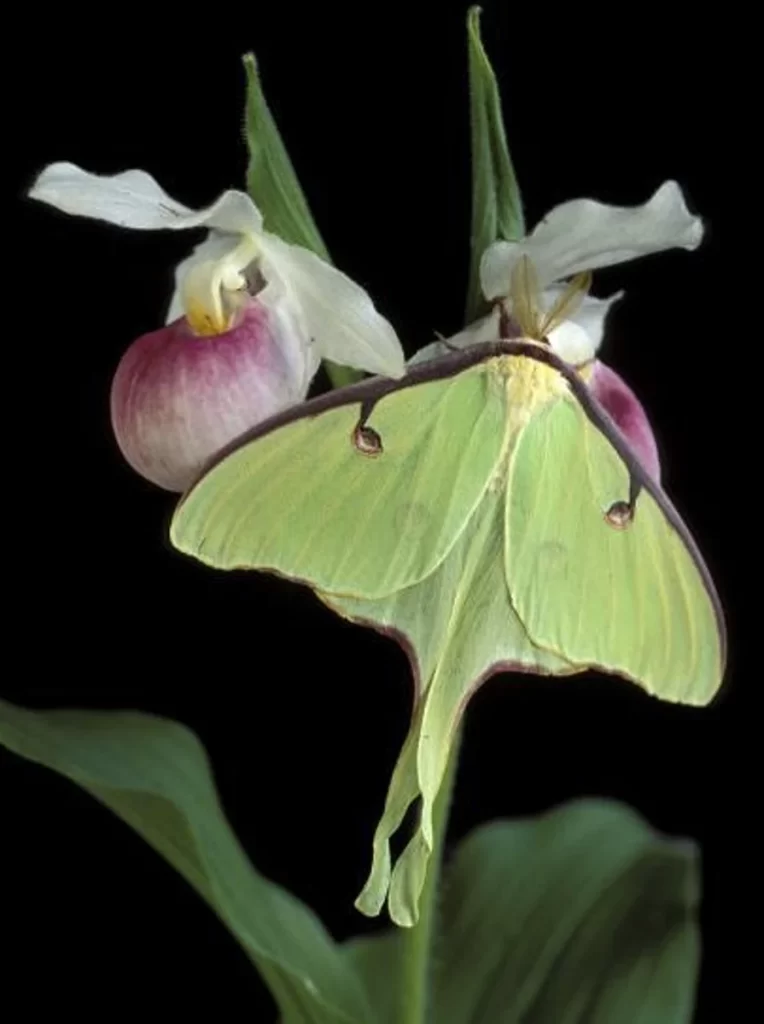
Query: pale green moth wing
point(464, 619)
point(360, 492)
point(599, 564)
point(458, 627)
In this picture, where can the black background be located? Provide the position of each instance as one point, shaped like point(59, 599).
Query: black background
point(302, 713)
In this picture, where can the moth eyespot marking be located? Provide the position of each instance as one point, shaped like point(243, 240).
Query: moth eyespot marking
point(367, 441)
point(620, 515)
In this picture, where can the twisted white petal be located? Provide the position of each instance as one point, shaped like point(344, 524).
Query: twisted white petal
point(338, 314)
point(585, 235)
point(132, 199)
point(578, 338)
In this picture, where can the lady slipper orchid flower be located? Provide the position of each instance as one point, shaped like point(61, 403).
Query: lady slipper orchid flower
point(584, 235)
point(250, 320)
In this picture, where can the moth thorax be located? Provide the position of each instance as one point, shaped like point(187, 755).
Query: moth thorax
point(529, 385)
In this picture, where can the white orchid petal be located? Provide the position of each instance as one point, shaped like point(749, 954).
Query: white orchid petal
point(133, 199)
point(338, 314)
point(484, 329)
point(496, 268)
point(585, 235)
point(434, 350)
point(175, 309)
point(590, 316)
point(572, 343)
point(297, 348)
point(592, 313)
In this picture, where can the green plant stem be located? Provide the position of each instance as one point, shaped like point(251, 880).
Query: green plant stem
point(416, 947)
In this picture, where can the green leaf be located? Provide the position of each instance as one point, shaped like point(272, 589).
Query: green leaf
point(379, 961)
point(580, 916)
point(497, 210)
point(275, 189)
point(271, 179)
point(583, 916)
point(154, 774)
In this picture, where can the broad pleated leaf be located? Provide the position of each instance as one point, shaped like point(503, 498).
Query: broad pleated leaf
point(154, 774)
point(582, 916)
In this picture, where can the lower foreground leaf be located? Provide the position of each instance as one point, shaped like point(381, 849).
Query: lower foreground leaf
point(154, 774)
point(582, 916)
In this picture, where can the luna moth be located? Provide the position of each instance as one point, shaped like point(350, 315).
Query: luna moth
point(486, 511)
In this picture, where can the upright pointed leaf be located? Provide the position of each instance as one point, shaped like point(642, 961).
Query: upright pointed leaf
point(497, 210)
point(271, 179)
point(154, 774)
point(580, 916)
point(275, 189)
